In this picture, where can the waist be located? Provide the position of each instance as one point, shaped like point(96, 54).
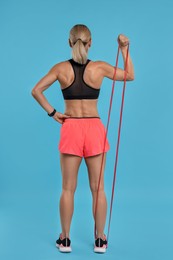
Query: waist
point(82, 117)
point(81, 108)
point(83, 121)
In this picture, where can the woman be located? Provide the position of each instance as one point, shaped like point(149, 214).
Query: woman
point(82, 132)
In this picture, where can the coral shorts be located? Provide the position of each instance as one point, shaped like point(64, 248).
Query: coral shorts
point(83, 136)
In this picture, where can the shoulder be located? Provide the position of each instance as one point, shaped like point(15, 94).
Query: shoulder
point(59, 67)
point(64, 67)
point(102, 66)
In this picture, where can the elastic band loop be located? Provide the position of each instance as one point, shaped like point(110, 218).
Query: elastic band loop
point(118, 141)
point(110, 106)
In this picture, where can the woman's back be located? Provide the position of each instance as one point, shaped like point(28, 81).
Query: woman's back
point(92, 76)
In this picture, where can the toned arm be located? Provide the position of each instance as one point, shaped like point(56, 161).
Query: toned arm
point(42, 85)
point(108, 70)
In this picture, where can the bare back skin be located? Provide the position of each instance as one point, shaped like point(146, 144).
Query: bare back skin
point(92, 77)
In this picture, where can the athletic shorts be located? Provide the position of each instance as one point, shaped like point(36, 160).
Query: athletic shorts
point(83, 136)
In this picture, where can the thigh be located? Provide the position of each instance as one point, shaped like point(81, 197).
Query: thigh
point(71, 137)
point(95, 135)
point(94, 167)
point(69, 168)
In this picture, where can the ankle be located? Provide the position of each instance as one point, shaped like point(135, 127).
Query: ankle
point(64, 235)
point(101, 235)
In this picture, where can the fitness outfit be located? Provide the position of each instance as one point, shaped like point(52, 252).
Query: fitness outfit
point(82, 136)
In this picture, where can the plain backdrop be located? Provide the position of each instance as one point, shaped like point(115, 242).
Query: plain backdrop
point(34, 37)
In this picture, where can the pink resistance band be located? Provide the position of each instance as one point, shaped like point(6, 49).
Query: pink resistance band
point(118, 140)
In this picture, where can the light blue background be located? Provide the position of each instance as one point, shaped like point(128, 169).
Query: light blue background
point(34, 37)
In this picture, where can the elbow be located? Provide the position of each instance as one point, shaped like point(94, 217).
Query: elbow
point(130, 77)
point(34, 92)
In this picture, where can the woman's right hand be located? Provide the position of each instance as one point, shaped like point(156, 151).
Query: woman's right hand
point(59, 117)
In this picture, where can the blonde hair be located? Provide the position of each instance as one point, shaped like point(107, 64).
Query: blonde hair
point(80, 35)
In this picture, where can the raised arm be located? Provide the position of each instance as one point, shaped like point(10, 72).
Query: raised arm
point(108, 70)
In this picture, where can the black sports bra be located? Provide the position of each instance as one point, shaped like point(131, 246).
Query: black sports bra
point(79, 89)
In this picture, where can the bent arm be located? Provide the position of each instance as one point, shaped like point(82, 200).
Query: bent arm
point(109, 70)
point(42, 85)
point(130, 67)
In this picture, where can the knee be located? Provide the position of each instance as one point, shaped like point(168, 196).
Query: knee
point(94, 187)
point(69, 189)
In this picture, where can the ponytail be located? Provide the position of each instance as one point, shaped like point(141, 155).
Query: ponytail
point(80, 35)
point(79, 53)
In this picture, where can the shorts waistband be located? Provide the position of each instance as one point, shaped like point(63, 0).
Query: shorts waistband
point(73, 117)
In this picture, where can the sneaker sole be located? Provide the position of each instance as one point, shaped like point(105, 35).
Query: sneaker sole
point(64, 249)
point(99, 249)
